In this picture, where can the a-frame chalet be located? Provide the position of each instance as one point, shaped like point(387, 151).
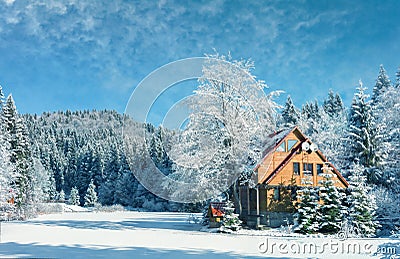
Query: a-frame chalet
point(290, 160)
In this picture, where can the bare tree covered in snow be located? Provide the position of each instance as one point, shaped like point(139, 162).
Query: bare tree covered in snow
point(231, 116)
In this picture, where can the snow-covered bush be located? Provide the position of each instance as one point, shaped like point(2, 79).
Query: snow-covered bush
point(153, 205)
point(74, 197)
point(230, 221)
point(388, 210)
point(61, 196)
point(91, 195)
point(112, 208)
point(7, 211)
point(48, 208)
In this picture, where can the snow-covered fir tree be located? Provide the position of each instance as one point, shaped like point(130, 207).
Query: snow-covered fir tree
point(361, 202)
point(230, 220)
point(40, 183)
point(74, 198)
point(290, 114)
point(307, 217)
point(331, 210)
point(7, 169)
point(18, 139)
point(333, 105)
point(61, 196)
point(91, 195)
point(381, 85)
point(362, 136)
point(386, 115)
point(397, 83)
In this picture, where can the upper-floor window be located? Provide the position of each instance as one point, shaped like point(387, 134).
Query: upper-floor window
point(319, 169)
point(307, 169)
point(291, 143)
point(281, 147)
point(296, 168)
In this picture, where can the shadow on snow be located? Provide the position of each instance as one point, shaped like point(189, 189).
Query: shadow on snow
point(166, 221)
point(77, 251)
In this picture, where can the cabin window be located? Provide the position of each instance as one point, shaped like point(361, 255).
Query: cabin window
point(277, 195)
point(319, 169)
point(291, 143)
point(281, 147)
point(296, 168)
point(307, 169)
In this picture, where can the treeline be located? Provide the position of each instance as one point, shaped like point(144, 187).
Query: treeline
point(43, 158)
point(84, 146)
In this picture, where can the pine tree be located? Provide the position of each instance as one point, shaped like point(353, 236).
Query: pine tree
point(74, 197)
point(290, 114)
point(382, 84)
point(91, 195)
point(331, 208)
point(1, 97)
point(397, 84)
point(307, 216)
point(230, 220)
point(386, 116)
point(61, 196)
point(20, 151)
point(7, 169)
point(333, 105)
point(362, 206)
point(40, 185)
point(362, 135)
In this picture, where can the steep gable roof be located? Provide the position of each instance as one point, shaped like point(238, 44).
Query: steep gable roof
point(275, 140)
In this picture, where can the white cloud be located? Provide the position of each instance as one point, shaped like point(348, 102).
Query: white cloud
point(9, 2)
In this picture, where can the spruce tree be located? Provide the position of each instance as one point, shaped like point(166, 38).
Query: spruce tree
point(74, 197)
point(20, 151)
point(61, 196)
point(307, 216)
point(230, 220)
point(331, 208)
point(381, 85)
point(362, 135)
point(1, 97)
point(386, 116)
point(362, 206)
point(397, 84)
point(290, 114)
point(91, 195)
point(7, 169)
point(333, 104)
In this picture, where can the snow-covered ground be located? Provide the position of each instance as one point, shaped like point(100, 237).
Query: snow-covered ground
point(167, 235)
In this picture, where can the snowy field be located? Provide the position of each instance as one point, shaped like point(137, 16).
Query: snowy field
point(167, 235)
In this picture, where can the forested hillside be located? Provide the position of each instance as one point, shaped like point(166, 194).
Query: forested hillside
point(77, 147)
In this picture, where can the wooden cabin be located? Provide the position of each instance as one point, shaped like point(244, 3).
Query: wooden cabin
point(290, 160)
point(216, 213)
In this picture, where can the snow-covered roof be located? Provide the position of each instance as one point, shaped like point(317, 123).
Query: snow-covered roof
point(274, 139)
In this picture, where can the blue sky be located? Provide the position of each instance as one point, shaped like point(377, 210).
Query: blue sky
point(76, 54)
